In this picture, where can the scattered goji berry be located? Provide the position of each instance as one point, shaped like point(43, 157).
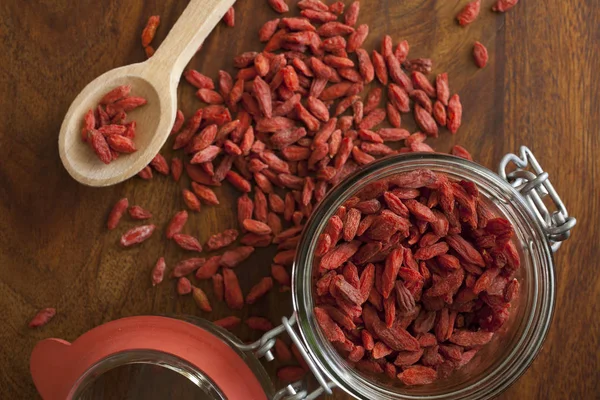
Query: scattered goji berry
point(469, 13)
point(229, 17)
point(480, 54)
point(504, 5)
point(228, 322)
point(158, 272)
point(150, 30)
point(42, 317)
point(137, 212)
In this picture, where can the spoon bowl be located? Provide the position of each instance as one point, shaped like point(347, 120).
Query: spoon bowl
point(153, 120)
point(156, 80)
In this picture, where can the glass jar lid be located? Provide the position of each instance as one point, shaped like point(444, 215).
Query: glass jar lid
point(149, 357)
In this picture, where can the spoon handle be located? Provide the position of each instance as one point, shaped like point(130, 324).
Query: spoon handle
point(193, 26)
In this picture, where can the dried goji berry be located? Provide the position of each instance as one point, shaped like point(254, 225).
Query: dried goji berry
point(401, 51)
point(99, 145)
point(42, 317)
point(397, 75)
point(279, 6)
point(176, 224)
point(290, 374)
point(454, 113)
point(198, 295)
point(504, 5)
point(137, 212)
point(469, 13)
point(233, 292)
point(137, 235)
point(439, 113)
point(187, 242)
point(480, 55)
point(218, 288)
point(334, 28)
point(268, 29)
point(116, 94)
point(150, 30)
point(228, 322)
point(423, 65)
point(116, 213)
point(208, 268)
point(232, 258)
point(261, 324)
point(417, 375)
point(158, 272)
point(442, 90)
point(257, 227)
point(259, 290)
point(460, 151)
point(191, 201)
point(229, 17)
point(316, 5)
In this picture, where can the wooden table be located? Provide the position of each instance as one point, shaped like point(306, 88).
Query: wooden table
point(540, 89)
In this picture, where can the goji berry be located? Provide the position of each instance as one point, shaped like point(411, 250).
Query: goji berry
point(42, 317)
point(158, 272)
point(228, 322)
point(150, 30)
point(187, 242)
point(99, 145)
point(232, 258)
point(454, 113)
point(233, 292)
point(259, 290)
point(279, 6)
point(184, 286)
point(137, 212)
point(480, 54)
point(116, 213)
point(229, 17)
point(137, 235)
point(469, 13)
point(504, 5)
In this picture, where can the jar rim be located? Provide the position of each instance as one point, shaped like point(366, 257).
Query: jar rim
point(541, 300)
point(202, 379)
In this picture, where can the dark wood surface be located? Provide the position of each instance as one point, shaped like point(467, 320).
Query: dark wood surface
point(540, 89)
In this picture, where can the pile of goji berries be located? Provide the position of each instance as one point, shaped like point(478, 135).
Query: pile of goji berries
point(300, 127)
point(302, 124)
point(105, 128)
point(422, 278)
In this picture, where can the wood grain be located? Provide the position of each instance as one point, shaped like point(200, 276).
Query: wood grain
point(539, 89)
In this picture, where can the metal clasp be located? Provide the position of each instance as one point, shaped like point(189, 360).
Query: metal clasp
point(297, 390)
point(534, 186)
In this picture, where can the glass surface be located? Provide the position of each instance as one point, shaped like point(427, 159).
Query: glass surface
point(145, 374)
point(513, 348)
point(152, 376)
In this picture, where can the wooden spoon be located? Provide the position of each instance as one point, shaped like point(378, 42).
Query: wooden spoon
point(156, 79)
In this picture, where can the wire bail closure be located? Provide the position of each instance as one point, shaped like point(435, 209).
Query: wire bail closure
point(534, 186)
point(297, 390)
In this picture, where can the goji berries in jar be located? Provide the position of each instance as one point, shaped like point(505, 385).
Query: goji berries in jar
point(448, 288)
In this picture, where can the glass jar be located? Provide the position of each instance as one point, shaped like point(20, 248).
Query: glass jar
point(222, 367)
point(512, 350)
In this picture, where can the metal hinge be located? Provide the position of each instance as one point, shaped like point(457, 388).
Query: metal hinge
point(534, 186)
point(297, 390)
